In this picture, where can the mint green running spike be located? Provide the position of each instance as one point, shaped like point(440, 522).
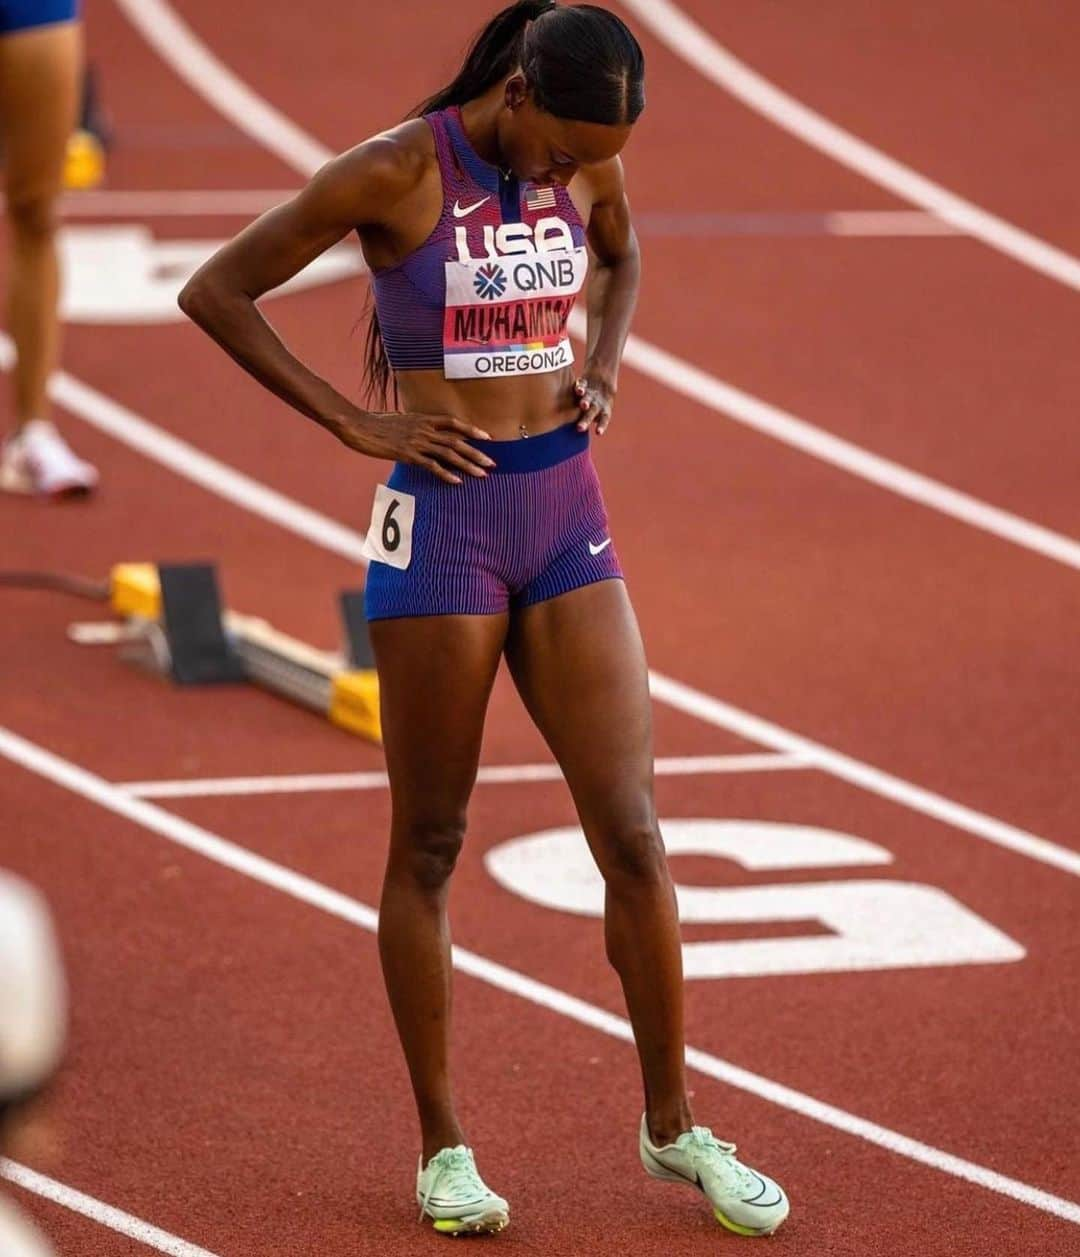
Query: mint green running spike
point(743, 1200)
point(451, 1192)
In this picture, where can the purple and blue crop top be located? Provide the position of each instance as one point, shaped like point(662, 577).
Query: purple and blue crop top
point(488, 294)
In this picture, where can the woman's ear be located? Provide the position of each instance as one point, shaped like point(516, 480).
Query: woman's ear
point(517, 91)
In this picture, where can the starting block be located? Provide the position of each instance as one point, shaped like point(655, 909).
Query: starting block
point(176, 625)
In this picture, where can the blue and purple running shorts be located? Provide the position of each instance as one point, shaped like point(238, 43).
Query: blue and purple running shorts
point(22, 15)
point(533, 528)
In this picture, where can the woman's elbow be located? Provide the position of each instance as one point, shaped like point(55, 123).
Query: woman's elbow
point(193, 299)
point(204, 294)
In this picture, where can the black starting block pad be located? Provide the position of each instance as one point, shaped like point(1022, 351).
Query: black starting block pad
point(357, 638)
point(193, 619)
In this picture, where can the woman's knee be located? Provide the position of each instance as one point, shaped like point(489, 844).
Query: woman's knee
point(426, 849)
point(32, 215)
point(632, 854)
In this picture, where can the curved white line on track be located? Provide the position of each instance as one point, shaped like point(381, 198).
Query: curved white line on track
point(79, 781)
point(98, 1211)
point(180, 48)
point(209, 77)
point(693, 44)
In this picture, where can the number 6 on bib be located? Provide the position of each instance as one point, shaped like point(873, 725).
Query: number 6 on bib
point(389, 538)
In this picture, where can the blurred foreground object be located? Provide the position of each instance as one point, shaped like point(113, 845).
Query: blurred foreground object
point(33, 1021)
point(17, 1237)
point(33, 999)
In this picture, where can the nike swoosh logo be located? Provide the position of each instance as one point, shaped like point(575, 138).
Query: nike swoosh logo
point(464, 212)
point(594, 550)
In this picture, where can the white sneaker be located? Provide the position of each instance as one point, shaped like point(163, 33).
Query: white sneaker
point(37, 459)
point(743, 1200)
point(451, 1192)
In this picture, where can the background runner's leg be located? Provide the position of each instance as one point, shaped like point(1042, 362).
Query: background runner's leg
point(40, 78)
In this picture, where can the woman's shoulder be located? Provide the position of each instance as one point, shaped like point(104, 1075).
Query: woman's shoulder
point(398, 157)
point(376, 175)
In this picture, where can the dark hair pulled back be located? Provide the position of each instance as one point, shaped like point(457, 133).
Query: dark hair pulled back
point(581, 63)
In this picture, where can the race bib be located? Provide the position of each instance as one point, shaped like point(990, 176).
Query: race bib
point(506, 315)
point(389, 538)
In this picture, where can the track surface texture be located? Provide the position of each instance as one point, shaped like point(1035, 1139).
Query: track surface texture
point(233, 1077)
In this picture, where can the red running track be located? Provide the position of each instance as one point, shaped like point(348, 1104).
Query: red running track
point(233, 1076)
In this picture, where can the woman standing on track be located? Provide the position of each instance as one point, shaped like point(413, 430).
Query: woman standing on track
point(490, 537)
point(40, 79)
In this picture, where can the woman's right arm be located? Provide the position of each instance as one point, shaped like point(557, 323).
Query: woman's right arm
point(365, 187)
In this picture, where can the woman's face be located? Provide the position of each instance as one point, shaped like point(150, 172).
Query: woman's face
point(541, 148)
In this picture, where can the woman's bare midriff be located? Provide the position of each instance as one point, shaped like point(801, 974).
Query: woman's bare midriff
point(500, 407)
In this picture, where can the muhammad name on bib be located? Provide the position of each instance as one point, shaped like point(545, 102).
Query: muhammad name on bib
point(506, 311)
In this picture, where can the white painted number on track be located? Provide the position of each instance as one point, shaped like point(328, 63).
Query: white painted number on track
point(873, 924)
point(122, 274)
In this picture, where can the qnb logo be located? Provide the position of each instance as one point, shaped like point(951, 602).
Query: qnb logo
point(490, 281)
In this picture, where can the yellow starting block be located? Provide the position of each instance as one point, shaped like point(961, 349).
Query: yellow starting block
point(175, 611)
point(84, 162)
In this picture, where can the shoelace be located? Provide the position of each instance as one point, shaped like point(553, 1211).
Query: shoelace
point(455, 1166)
point(718, 1156)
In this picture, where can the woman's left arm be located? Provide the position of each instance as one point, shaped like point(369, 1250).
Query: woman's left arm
point(613, 291)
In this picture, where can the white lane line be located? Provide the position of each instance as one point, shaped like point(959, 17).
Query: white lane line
point(71, 777)
point(697, 47)
point(106, 1215)
point(122, 203)
point(276, 508)
point(490, 774)
point(886, 223)
point(790, 223)
point(754, 728)
point(181, 49)
point(701, 387)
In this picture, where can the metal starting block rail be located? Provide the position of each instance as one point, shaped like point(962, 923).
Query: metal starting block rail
point(174, 623)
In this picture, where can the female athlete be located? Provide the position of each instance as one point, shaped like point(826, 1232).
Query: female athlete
point(40, 79)
point(490, 537)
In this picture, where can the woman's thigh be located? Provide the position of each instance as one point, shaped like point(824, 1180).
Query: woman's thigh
point(40, 75)
point(579, 665)
point(435, 677)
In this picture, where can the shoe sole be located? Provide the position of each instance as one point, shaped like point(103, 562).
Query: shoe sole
point(749, 1231)
point(486, 1224)
point(74, 489)
point(12, 481)
point(656, 1169)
